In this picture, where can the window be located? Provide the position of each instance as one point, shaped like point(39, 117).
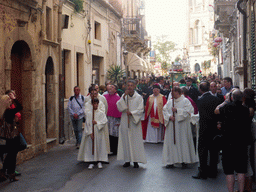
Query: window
point(79, 69)
point(191, 36)
point(97, 30)
point(197, 34)
point(48, 23)
point(197, 67)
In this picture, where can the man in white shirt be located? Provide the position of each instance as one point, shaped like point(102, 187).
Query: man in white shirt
point(76, 111)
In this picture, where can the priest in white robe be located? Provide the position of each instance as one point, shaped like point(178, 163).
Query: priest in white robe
point(179, 148)
point(97, 153)
point(130, 143)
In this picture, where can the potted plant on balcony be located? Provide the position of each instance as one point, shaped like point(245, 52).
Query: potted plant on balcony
point(78, 5)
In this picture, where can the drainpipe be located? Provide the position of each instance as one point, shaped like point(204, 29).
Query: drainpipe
point(245, 61)
point(61, 77)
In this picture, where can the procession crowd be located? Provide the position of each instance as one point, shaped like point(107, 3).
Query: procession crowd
point(194, 119)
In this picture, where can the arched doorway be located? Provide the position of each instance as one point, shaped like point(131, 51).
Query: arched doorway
point(197, 67)
point(21, 82)
point(49, 100)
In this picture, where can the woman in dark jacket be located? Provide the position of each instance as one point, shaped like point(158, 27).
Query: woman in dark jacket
point(9, 131)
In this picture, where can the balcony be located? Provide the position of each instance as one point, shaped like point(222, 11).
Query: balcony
point(224, 13)
point(134, 35)
point(29, 3)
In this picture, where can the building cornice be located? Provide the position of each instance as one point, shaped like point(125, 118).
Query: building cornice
point(108, 5)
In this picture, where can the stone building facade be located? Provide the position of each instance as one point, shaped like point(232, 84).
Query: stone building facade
point(105, 36)
point(47, 49)
point(91, 42)
point(200, 26)
point(29, 65)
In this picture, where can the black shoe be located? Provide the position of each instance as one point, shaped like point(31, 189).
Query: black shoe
point(184, 165)
point(135, 165)
point(170, 166)
point(127, 164)
point(199, 176)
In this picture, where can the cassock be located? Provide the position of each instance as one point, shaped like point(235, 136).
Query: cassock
point(101, 107)
point(130, 143)
point(183, 151)
point(100, 151)
point(153, 132)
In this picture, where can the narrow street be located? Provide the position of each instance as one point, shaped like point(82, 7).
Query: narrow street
point(58, 170)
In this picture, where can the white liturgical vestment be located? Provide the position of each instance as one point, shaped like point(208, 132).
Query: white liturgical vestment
point(130, 143)
point(100, 150)
point(183, 150)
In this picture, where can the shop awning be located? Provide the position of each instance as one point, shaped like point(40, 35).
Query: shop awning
point(135, 63)
point(145, 66)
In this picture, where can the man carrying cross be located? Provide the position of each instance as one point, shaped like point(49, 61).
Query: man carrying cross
point(178, 141)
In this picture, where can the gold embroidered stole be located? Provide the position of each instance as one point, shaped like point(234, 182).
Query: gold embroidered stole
point(159, 100)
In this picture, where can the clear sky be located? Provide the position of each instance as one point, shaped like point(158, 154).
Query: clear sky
point(166, 17)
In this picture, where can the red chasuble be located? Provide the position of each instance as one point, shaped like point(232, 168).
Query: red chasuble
point(156, 118)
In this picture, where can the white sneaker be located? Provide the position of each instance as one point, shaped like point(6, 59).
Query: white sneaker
point(91, 166)
point(100, 165)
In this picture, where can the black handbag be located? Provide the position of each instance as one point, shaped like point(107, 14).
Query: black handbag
point(7, 130)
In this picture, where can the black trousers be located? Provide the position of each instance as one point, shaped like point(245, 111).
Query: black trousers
point(113, 144)
point(205, 146)
point(11, 157)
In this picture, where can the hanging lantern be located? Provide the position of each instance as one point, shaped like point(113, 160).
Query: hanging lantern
point(215, 44)
point(218, 39)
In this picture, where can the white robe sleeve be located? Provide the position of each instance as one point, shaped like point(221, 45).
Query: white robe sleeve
point(185, 112)
point(102, 107)
point(101, 120)
point(88, 124)
point(87, 107)
point(138, 112)
point(87, 98)
point(122, 104)
point(167, 112)
point(104, 101)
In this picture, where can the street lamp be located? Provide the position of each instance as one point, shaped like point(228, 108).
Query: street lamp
point(125, 53)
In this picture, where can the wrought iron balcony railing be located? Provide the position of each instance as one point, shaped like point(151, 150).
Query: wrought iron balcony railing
point(132, 27)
